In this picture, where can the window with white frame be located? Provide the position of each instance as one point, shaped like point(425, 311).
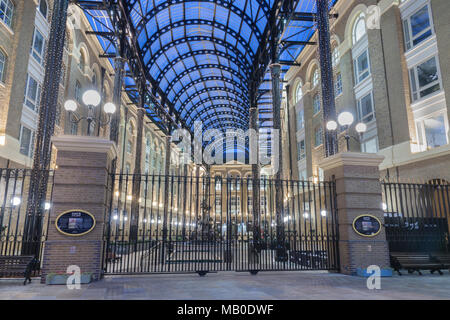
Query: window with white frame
point(365, 108)
point(300, 119)
point(32, 93)
point(335, 57)
point(370, 146)
point(424, 79)
point(359, 28)
point(301, 150)
point(338, 85)
point(26, 141)
point(37, 48)
point(2, 66)
point(417, 27)
point(433, 131)
point(316, 104)
point(318, 136)
point(362, 67)
point(6, 12)
point(43, 8)
point(298, 92)
point(315, 78)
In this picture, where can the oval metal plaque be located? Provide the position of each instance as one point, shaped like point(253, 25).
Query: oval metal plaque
point(75, 222)
point(367, 225)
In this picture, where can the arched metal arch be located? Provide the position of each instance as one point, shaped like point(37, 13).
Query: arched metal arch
point(213, 40)
point(201, 67)
point(210, 78)
point(227, 125)
point(225, 4)
point(196, 22)
point(209, 99)
point(222, 117)
point(243, 67)
point(235, 111)
point(244, 101)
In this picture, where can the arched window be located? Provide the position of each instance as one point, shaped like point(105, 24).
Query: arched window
point(335, 57)
point(359, 28)
point(298, 92)
point(2, 66)
point(43, 8)
point(315, 78)
point(6, 12)
point(94, 80)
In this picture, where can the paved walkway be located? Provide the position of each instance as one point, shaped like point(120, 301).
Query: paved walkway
point(232, 285)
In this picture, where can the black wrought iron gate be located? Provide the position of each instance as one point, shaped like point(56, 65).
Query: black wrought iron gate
point(164, 224)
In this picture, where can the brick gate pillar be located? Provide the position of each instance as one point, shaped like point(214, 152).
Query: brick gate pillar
point(80, 182)
point(358, 192)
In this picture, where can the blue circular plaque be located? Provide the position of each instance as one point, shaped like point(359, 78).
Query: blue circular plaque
point(75, 222)
point(367, 225)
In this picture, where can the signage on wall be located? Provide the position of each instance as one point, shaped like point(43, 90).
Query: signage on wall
point(367, 225)
point(75, 222)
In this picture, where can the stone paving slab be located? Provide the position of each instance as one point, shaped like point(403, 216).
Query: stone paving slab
point(306, 285)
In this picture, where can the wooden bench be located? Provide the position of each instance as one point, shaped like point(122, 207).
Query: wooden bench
point(442, 258)
point(414, 262)
point(17, 265)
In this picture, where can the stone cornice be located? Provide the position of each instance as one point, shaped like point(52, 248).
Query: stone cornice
point(85, 144)
point(351, 159)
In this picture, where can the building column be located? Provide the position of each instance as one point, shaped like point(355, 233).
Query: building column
point(80, 183)
point(119, 64)
point(326, 71)
point(166, 196)
point(254, 151)
point(358, 192)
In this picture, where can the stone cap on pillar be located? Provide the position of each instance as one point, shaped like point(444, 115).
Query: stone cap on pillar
point(85, 144)
point(351, 159)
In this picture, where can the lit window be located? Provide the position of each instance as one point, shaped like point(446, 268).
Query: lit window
point(6, 12)
point(43, 8)
point(128, 168)
point(365, 108)
point(218, 205)
point(370, 146)
point(82, 62)
point(338, 84)
point(26, 141)
point(335, 57)
point(359, 28)
point(316, 104)
point(2, 66)
point(318, 136)
point(432, 131)
point(315, 79)
point(301, 150)
point(218, 184)
point(300, 119)
point(417, 27)
point(37, 49)
point(362, 68)
point(424, 79)
point(298, 93)
point(32, 93)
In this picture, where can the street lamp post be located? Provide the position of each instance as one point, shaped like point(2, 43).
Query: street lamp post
point(91, 98)
point(346, 119)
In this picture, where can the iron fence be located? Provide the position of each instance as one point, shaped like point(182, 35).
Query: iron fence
point(159, 224)
point(16, 221)
point(417, 216)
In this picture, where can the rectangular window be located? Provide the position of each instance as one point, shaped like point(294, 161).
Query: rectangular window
point(316, 104)
point(73, 125)
point(362, 68)
point(235, 204)
point(302, 175)
point(129, 146)
point(433, 131)
point(300, 119)
point(32, 93)
point(417, 27)
point(78, 91)
point(301, 150)
point(6, 12)
point(365, 109)
point(37, 48)
point(338, 85)
point(370, 146)
point(218, 205)
point(318, 136)
point(424, 79)
point(26, 141)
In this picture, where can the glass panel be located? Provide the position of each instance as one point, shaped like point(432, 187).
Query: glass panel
point(25, 140)
point(427, 72)
point(363, 66)
point(371, 146)
point(435, 132)
point(366, 108)
point(420, 21)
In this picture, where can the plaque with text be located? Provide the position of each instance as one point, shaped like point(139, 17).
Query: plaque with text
point(75, 222)
point(367, 225)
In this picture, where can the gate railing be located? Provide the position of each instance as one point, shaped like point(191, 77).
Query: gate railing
point(417, 216)
point(14, 188)
point(162, 223)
